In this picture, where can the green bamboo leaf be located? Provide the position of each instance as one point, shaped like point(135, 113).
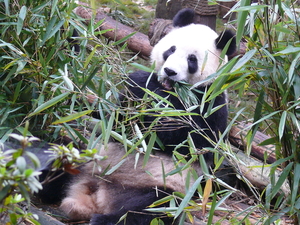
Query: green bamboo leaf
point(212, 209)
point(281, 126)
point(72, 117)
point(67, 80)
point(251, 7)
point(293, 16)
point(21, 19)
point(109, 127)
point(210, 110)
point(119, 138)
point(124, 39)
point(74, 134)
point(296, 182)
point(7, 4)
point(161, 201)
point(17, 91)
point(49, 103)
point(293, 66)
point(283, 177)
point(90, 77)
point(241, 19)
point(157, 96)
point(188, 197)
point(4, 192)
point(114, 168)
point(296, 121)
point(288, 50)
point(142, 67)
point(90, 56)
point(51, 29)
point(242, 61)
point(149, 147)
point(203, 164)
point(53, 7)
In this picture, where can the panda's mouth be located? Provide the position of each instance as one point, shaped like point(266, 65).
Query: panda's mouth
point(167, 83)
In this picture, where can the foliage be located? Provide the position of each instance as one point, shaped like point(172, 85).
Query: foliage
point(42, 75)
point(137, 14)
point(270, 70)
point(45, 81)
point(19, 174)
point(18, 179)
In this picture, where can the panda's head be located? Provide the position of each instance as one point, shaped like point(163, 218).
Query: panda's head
point(190, 52)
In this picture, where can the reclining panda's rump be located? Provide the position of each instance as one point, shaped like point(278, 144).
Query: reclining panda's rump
point(126, 189)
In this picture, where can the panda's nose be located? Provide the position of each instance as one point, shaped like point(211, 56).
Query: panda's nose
point(170, 72)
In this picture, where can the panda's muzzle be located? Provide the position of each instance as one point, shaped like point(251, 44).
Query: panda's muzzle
point(170, 72)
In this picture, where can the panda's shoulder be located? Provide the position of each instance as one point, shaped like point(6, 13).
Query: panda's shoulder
point(143, 79)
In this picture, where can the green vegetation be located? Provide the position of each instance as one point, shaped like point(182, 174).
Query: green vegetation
point(270, 70)
point(131, 13)
point(47, 88)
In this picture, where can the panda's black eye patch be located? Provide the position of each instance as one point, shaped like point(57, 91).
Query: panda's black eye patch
point(169, 52)
point(192, 63)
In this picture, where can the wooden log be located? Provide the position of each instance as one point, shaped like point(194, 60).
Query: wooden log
point(138, 43)
point(237, 138)
point(257, 173)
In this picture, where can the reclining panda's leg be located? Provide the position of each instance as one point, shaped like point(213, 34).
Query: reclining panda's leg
point(132, 202)
point(80, 203)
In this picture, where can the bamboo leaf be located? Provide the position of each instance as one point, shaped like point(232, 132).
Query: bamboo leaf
point(142, 67)
point(281, 126)
point(109, 127)
point(21, 19)
point(149, 147)
point(293, 66)
point(51, 29)
point(72, 117)
point(53, 7)
point(124, 39)
point(241, 19)
point(114, 168)
point(161, 201)
point(283, 177)
point(206, 194)
point(242, 61)
point(49, 103)
point(188, 197)
point(157, 96)
point(296, 182)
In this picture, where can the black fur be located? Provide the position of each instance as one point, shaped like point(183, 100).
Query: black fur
point(192, 63)
point(169, 52)
point(132, 201)
point(54, 191)
point(184, 17)
point(223, 39)
point(174, 134)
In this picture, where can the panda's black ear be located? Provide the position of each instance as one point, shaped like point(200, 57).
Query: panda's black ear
point(183, 18)
point(223, 39)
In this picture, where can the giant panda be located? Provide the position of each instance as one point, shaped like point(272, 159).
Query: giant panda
point(189, 53)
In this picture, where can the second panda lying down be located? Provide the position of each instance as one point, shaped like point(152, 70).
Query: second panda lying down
point(190, 53)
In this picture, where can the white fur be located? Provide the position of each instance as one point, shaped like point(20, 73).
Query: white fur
point(81, 201)
point(192, 39)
